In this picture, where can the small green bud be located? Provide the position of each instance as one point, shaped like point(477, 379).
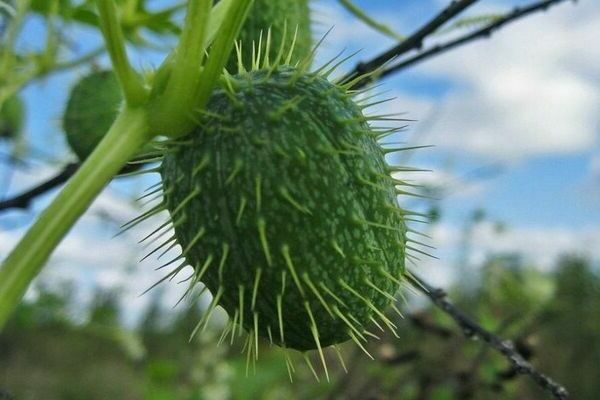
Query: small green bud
point(284, 19)
point(92, 108)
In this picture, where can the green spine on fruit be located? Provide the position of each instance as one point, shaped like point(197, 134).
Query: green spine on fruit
point(91, 109)
point(283, 203)
point(284, 19)
point(12, 117)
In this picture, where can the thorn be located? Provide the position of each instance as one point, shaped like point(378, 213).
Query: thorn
point(391, 326)
point(170, 275)
point(337, 248)
point(288, 59)
point(411, 248)
point(288, 365)
point(235, 318)
point(315, 334)
point(408, 148)
point(256, 335)
point(280, 317)
point(339, 354)
point(333, 295)
point(287, 196)
point(138, 220)
point(262, 231)
point(185, 201)
point(157, 249)
point(165, 224)
point(241, 305)
point(203, 164)
point(223, 260)
point(194, 240)
point(310, 366)
point(317, 294)
point(201, 326)
point(371, 334)
point(359, 344)
point(258, 191)
point(347, 322)
point(237, 167)
point(240, 212)
point(255, 288)
point(285, 251)
point(204, 267)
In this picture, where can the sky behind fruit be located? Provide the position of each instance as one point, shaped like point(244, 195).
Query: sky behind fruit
point(514, 121)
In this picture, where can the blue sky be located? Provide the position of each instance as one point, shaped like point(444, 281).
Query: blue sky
point(523, 103)
point(521, 106)
point(545, 186)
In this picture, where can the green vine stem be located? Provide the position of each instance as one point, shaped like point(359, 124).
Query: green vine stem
point(129, 132)
point(133, 89)
point(175, 102)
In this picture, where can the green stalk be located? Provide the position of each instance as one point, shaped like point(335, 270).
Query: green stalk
point(181, 88)
point(129, 132)
point(222, 47)
point(133, 88)
point(175, 106)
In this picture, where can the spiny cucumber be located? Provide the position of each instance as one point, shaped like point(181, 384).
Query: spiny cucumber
point(91, 109)
point(283, 203)
point(274, 24)
point(93, 105)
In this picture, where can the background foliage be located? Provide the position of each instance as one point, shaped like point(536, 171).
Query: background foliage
point(54, 350)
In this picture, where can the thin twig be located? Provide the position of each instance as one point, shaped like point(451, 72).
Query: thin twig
point(472, 329)
point(412, 42)
point(24, 199)
point(482, 33)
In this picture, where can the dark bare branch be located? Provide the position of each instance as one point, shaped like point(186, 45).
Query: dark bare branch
point(482, 33)
point(412, 42)
point(24, 199)
point(472, 329)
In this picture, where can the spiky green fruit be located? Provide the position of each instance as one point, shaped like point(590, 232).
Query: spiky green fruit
point(284, 19)
point(12, 117)
point(91, 109)
point(282, 202)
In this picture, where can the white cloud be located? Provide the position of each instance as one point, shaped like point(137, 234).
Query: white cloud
point(91, 258)
point(540, 246)
point(533, 88)
point(347, 33)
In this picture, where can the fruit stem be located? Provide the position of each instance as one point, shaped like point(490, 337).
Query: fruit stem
point(187, 86)
point(131, 83)
point(175, 103)
point(221, 49)
point(128, 133)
